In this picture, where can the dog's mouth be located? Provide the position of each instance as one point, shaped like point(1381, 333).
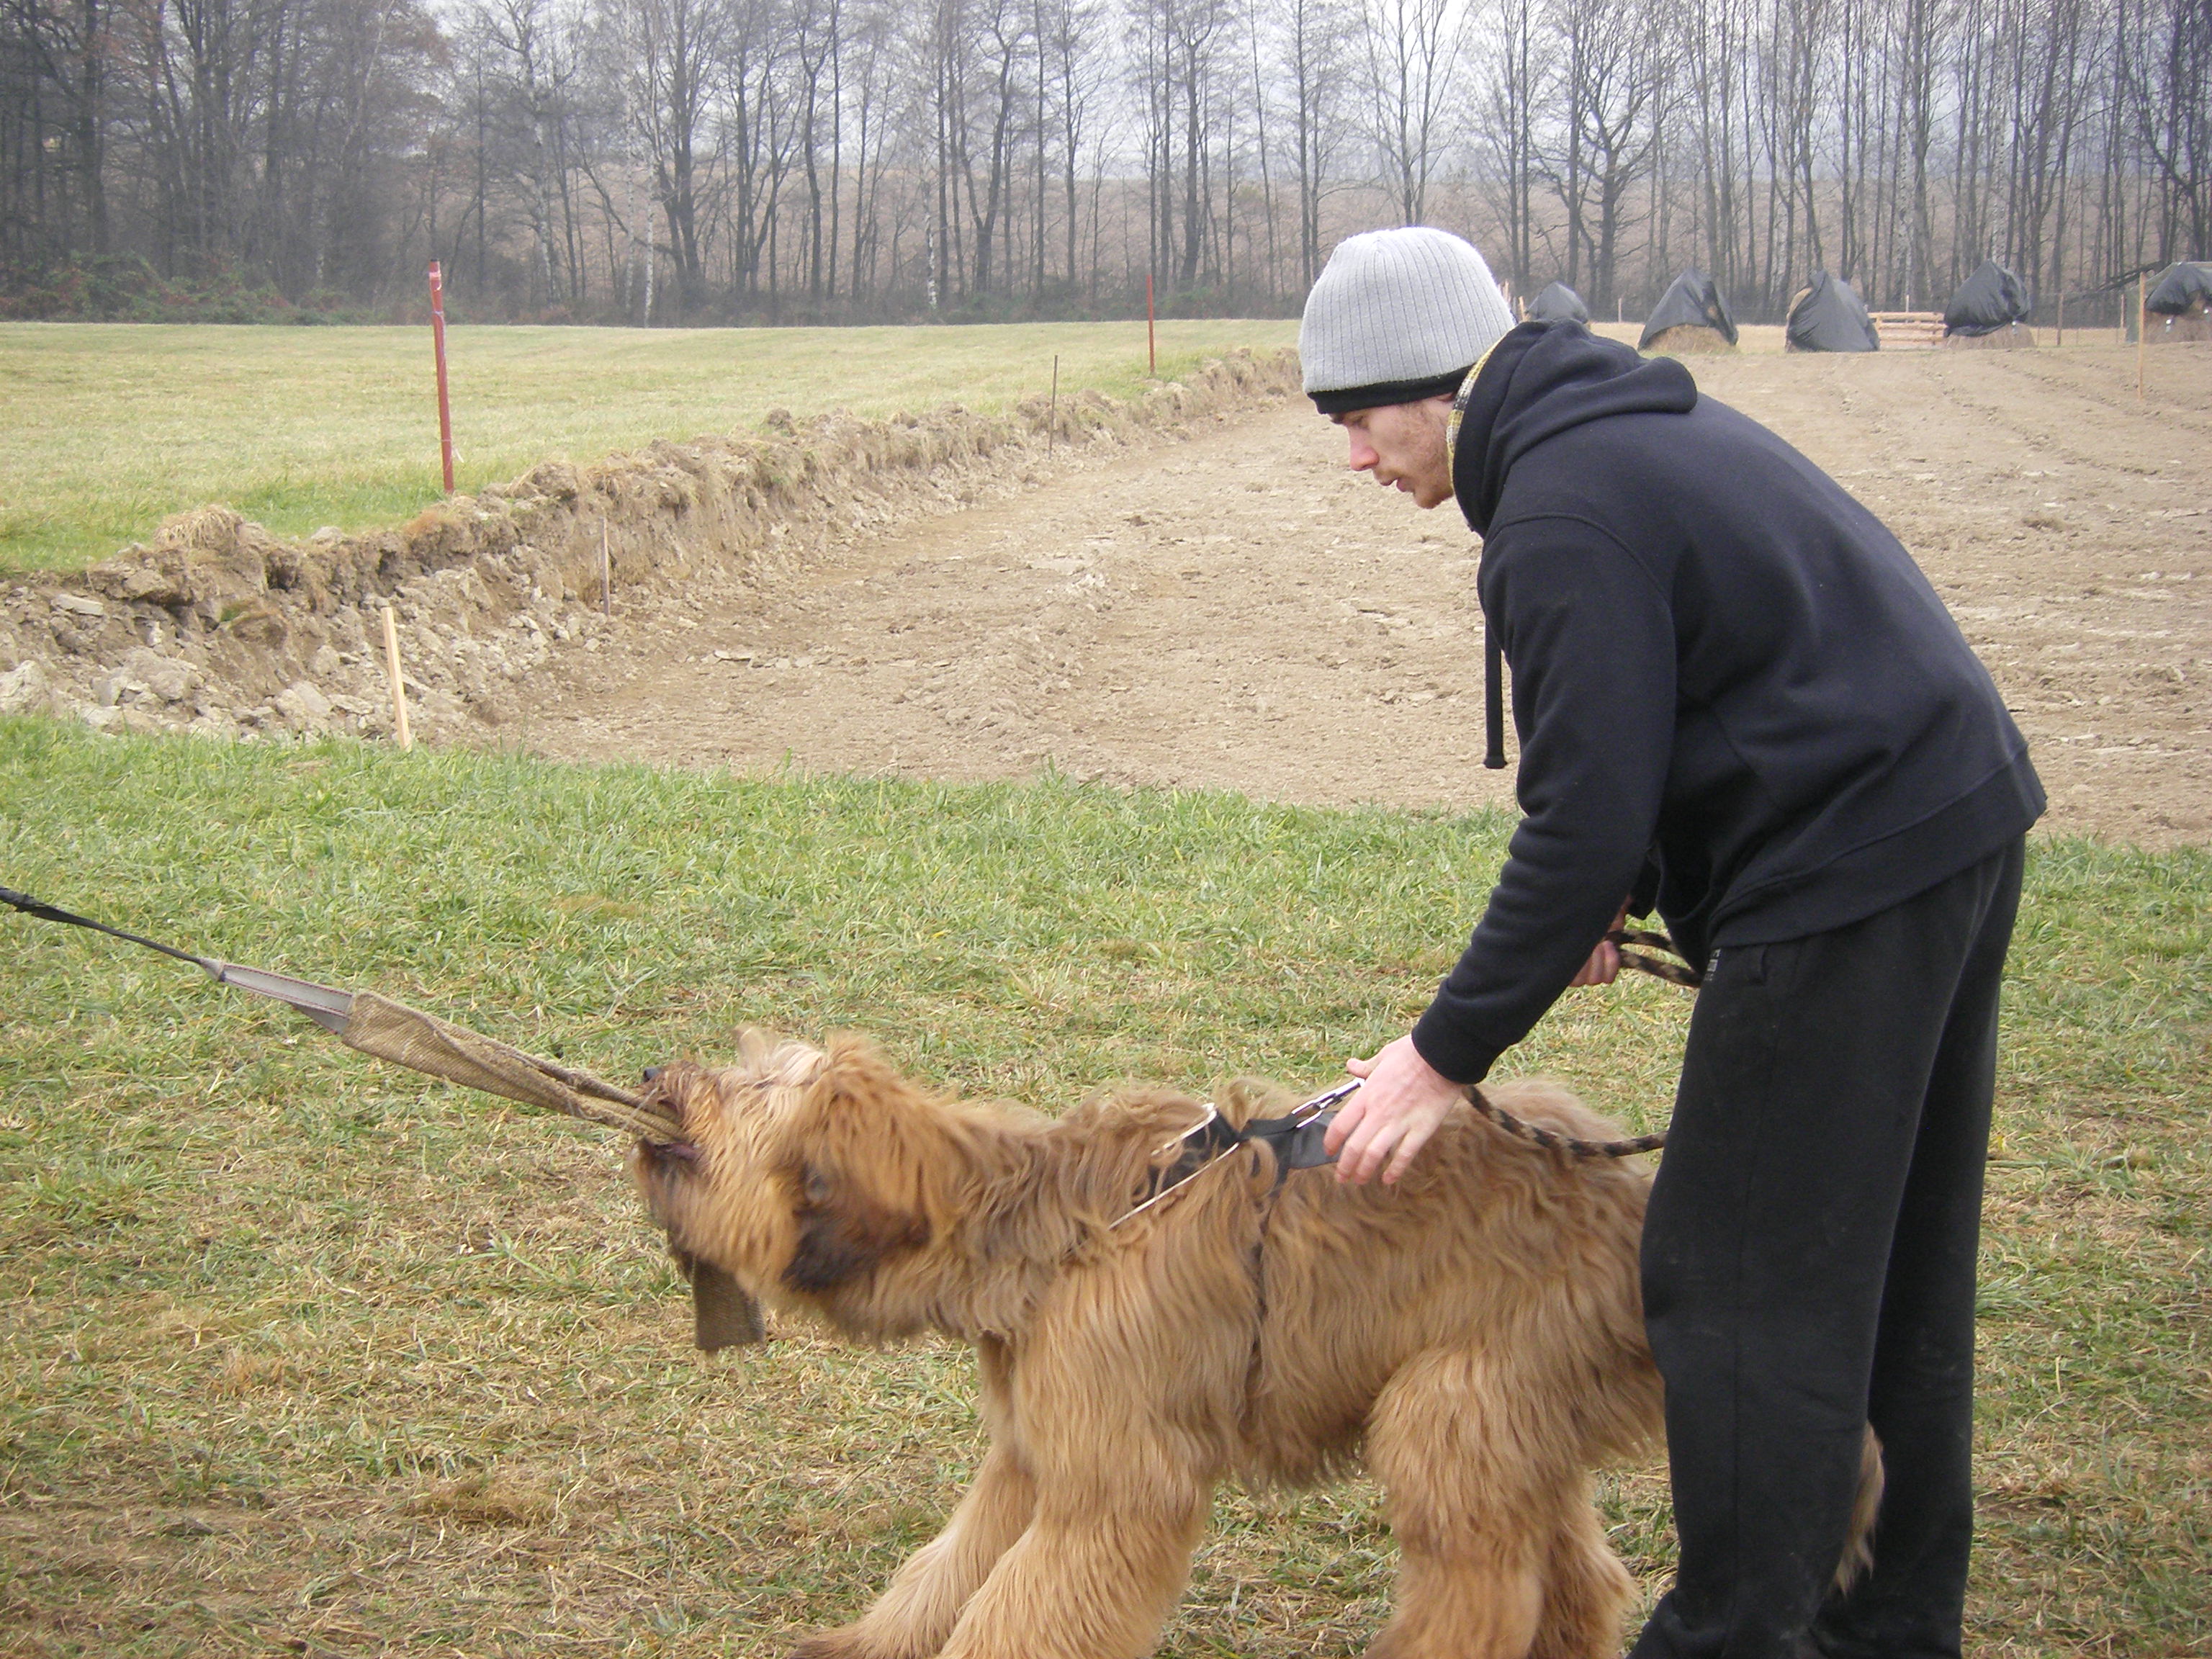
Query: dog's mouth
point(723, 1314)
point(664, 1087)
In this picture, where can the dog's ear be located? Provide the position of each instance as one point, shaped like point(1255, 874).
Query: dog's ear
point(844, 1232)
point(723, 1314)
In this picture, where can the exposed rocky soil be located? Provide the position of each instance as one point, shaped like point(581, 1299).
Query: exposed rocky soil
point(1194, 593)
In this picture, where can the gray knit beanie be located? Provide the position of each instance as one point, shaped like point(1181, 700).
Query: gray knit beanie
point(1397, 316)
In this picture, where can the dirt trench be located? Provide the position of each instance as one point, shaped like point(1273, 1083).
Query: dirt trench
point(223, 630)
point(1236, 610)
point(1228, 612)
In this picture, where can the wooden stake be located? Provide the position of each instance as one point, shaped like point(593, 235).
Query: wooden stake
point(1052, 420)
point(2142, 333)
point(606, 575)
point(398, 685)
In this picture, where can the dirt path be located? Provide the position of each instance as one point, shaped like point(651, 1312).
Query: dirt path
point(1237, 611)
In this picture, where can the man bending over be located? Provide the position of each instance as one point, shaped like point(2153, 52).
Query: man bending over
point(1739, 702)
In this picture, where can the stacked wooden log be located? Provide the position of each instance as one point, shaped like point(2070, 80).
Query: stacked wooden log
point(1908, 331)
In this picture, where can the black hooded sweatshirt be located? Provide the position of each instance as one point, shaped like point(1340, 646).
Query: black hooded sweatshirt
point(1735, 691)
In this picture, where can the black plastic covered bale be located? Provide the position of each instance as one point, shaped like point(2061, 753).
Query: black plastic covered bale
point(1559, 304)
point(1693, 301)
point(2184, 290)
point(1829, 316)
point(1994, 297)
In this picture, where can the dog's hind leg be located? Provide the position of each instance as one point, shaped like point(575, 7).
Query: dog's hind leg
point(1586, 1589)
point(1474, 1481)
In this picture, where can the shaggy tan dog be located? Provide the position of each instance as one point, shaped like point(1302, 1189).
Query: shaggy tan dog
point(1473, 1334)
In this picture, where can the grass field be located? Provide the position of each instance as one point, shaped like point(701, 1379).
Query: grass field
point(112, 427)
point(307, 1354)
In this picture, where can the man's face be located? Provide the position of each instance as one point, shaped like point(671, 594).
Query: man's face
point(1403, 444)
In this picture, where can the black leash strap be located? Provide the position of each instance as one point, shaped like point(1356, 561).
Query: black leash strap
point(326, 1004)
point(45, 912)
point(1297, 1137)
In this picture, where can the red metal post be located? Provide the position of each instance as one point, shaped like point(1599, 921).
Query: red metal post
point(445, 404)
point(1152, 341)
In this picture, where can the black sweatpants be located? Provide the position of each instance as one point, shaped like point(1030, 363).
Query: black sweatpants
point(1809, 1267)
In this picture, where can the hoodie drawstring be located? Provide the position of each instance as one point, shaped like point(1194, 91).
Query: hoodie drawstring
point(1494, 699)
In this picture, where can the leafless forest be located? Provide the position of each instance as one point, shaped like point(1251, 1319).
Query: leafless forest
point(701, 160)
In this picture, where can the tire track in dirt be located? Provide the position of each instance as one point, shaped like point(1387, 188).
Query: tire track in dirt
point(1236, 611)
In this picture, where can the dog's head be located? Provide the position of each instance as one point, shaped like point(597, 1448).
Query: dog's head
point(803, 1173)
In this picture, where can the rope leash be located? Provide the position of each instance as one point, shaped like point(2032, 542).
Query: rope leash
point(1553, 1141)
point(1633, 942)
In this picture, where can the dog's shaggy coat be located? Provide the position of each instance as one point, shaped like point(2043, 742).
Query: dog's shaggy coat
point(1473, 1334)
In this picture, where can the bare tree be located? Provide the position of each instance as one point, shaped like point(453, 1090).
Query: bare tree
point(1613, 71)
point(1411, 51)
point(1314, 50)
point(696, 160)
point(1515, 79)
point(674, 55)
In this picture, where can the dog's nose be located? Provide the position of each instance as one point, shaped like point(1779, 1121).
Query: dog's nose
point(653, 1074)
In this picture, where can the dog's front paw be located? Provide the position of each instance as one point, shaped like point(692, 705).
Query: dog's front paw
point(847, 1643)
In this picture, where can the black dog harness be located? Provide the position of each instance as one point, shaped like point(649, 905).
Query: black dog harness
point(1298, 1136)
point(1297, 1139)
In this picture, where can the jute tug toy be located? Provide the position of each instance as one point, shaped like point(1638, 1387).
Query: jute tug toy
point(723, 1314)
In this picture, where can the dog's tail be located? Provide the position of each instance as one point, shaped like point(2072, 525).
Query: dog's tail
point(1858, 1547)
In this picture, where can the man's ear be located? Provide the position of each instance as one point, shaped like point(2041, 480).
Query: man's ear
point(843, 1231)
